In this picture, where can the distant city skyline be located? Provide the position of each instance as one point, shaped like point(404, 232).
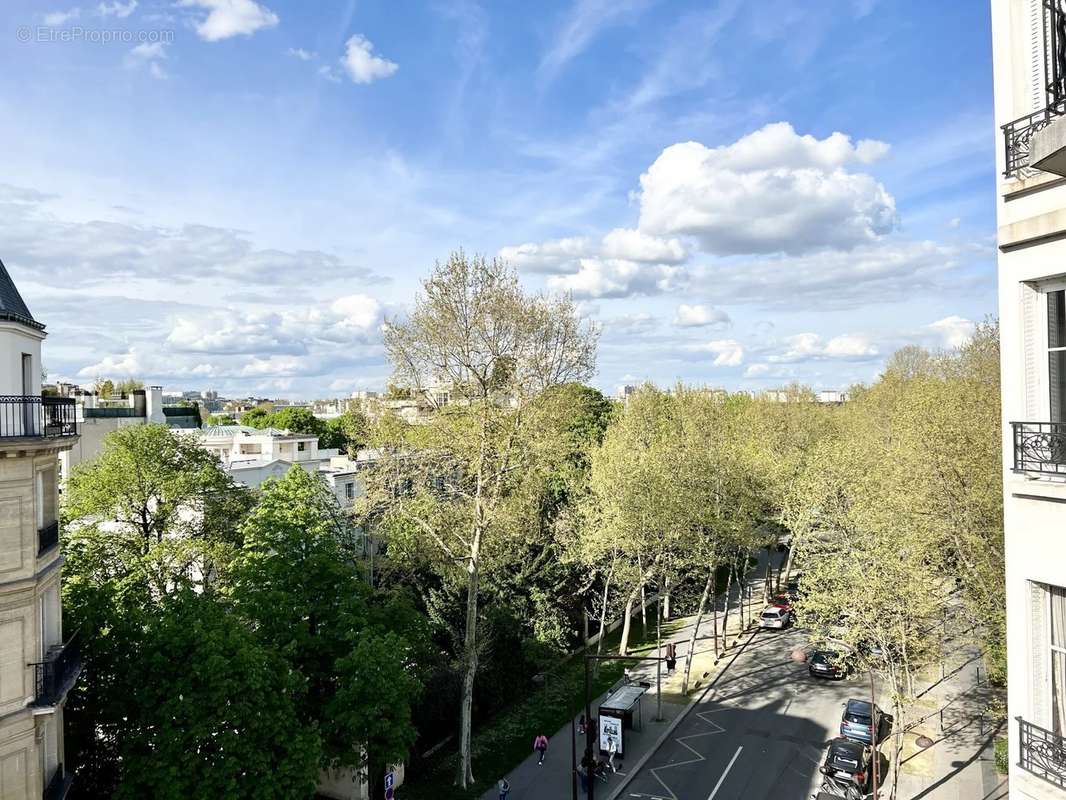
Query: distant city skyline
point(236, 195)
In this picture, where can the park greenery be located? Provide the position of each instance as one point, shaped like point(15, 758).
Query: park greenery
point(507, 526)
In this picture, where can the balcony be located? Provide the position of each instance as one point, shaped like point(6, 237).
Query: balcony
point(58, 785)
point(1042, 753)
point(55, 676)
point(29, 416)
point(1023, 155)
point(47, 538)
point(1040, 447)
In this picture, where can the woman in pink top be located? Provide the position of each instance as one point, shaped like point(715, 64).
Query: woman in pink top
point(540, 744)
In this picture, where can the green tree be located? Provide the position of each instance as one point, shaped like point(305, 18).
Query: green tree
point(476, 333)
point(153, 515)
point(218, 715)
point(295, 580)
point(154, 485)
point(257, 417)
point(128, 386)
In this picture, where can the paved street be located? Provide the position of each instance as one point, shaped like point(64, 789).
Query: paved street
point(760, 733)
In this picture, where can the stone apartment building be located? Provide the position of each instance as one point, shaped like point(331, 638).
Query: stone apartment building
point(1029, 56)
point(39, 661)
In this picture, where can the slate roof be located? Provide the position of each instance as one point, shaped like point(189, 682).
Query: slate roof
point(12, 306)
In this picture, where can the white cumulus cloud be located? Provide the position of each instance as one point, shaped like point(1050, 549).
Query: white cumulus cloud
point(638, 246)
point(362, 65)
point(556, 255)
point(812, 347)
point(698, 316)
point(228, 18)
point(613, 277)
point(726, 352)
point(954, 331)
point(771, 191)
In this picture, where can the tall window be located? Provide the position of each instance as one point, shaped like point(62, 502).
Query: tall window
point(1057, 616)
point(349, 491)
point(1056, 343)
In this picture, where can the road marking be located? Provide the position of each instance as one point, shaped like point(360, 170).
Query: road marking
point(703, 716)
point(721, 780)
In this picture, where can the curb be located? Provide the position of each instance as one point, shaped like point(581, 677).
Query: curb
point(632, 773)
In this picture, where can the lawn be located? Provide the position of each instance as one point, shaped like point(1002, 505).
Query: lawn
point(504, 741)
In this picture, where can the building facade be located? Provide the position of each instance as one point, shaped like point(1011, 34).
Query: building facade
point(1029, 54)
point(39, 661)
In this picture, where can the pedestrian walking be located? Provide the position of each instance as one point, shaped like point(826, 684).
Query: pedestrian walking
point(581, 725)
point(671, 657)
point(612, 751)
point(540, 744)
point(505, 788)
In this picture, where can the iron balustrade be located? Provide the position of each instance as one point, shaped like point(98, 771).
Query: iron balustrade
point(1018, 135)
point(23, 416)
point(1040, 447)
point(54, 676)
point(1042, 753)
point(58, 785)
point(47, 538)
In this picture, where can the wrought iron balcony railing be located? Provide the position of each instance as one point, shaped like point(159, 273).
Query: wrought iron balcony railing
point(54, 676)
point(47, 538)
point(1042, 753)
point(1018, 135)
point(58, 785)
point(1040, 447)
point(37, 417)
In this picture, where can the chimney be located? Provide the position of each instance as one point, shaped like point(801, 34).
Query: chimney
point(154, 403)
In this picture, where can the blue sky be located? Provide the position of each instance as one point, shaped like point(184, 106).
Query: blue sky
point(233, 194)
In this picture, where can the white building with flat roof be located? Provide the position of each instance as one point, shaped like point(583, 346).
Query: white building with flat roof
point(1029, 56)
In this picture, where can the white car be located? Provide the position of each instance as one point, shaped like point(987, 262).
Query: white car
point(775, 617)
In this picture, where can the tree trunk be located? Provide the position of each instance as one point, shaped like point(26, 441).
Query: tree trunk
point(643, 602)
point(696, 632)
point(725, 615)
point(464, 774)
point(766, 581)
point(603, 613)
point(714, 606)
point(666, 599)
point(623, 647)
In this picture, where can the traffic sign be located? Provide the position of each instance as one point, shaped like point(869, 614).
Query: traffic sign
point(390, 781)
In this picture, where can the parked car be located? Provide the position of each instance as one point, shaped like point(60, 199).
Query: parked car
point(827, 664)
point(782, 601)
point(860, 719)
point(775, 617)
point(848, 762)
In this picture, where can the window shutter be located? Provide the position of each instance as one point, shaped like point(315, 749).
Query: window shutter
point(1039, 656)
point(1037, 99)
point(1032, 350)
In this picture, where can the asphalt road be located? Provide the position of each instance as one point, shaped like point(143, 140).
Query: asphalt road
point(760, 733)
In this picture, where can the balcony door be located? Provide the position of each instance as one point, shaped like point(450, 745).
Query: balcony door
point(28, 417)
point(1057, 654)
point(1056, 354)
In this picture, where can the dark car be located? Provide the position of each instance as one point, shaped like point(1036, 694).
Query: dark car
point(848, 762)
point(860, 719)
point(827, 664)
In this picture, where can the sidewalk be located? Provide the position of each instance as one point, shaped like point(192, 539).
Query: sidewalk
point(960, 763)
point(553, 781)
